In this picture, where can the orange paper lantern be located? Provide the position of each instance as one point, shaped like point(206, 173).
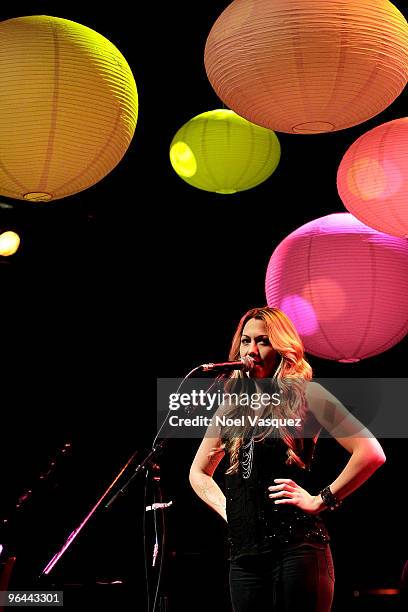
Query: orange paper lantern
point(308, 66)
point(68, 107)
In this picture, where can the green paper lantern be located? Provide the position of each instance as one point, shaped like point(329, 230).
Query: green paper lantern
point(220, 151)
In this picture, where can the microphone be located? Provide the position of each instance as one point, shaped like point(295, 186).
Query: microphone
point(245, 363)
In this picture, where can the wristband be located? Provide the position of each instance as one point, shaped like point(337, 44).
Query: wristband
point(330, 501)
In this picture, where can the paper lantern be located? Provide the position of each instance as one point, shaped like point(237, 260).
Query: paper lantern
point(308, 66)
point(222, 152)
point(68, 107)
point(9, 243)
point(344, 285)
point(372, 178)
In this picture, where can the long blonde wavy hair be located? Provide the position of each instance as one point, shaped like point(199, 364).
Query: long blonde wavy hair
point(288, 379)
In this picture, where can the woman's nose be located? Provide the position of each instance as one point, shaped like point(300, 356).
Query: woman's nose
point(253, 349)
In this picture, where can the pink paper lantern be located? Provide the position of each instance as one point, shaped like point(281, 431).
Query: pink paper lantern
point(372, 178)
point(344, 285)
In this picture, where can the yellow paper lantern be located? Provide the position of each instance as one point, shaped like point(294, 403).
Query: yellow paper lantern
point(221, 152)
point(9, 243)
point(68, 107)
point(308, 66)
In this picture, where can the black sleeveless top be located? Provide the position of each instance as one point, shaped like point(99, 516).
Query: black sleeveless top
point(255, 523)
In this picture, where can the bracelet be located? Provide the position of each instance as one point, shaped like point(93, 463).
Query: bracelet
point(330, 501)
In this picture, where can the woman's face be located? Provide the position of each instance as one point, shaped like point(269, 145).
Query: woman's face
point(255, 343)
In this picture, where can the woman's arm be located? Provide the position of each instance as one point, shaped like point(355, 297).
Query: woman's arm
point(366, 452)
point(201, 472)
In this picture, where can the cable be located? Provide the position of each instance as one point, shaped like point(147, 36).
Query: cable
point(169, 412)
point(163, 540)
point(144, 539)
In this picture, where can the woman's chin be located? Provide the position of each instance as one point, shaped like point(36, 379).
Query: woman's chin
point(256, 372)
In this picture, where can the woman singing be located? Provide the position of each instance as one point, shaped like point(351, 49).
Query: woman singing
point(280, 552)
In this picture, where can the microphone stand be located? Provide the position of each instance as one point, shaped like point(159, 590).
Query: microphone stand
point(147, 462)
point(54, 560)
point(155, 451)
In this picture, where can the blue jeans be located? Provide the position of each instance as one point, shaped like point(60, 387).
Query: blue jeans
point(295, 578)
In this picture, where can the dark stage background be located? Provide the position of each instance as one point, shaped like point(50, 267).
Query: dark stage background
point(143, 276)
